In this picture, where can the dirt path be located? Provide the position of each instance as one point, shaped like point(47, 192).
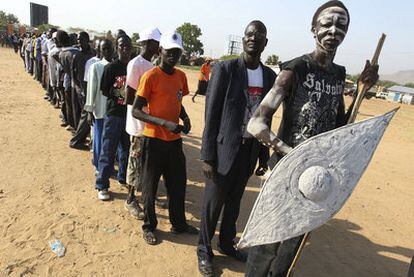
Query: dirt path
point(46, 192)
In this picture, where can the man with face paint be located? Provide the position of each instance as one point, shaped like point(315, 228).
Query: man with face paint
point(161, 89)
point(311, 90)
point(114, 134)
point(229, 153)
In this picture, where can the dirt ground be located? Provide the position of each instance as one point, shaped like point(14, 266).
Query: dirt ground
point(47, 192)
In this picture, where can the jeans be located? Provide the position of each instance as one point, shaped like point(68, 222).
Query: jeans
point(97, 140)
point(114, 134)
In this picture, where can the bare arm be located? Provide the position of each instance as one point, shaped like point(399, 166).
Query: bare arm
point(130, 95)
point(137, 112)
point(259, 124)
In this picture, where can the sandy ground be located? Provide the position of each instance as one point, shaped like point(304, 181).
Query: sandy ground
point(47, 192)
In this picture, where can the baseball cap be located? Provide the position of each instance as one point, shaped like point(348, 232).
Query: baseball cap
point(149, 33)
point(171, 40)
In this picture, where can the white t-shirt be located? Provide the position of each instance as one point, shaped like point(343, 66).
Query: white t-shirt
point(254, 91)
point(135, 69)
point(88, 64)
point(255, 77)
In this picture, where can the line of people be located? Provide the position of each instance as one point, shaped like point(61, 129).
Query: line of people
point(97, 87)
point(137, 115)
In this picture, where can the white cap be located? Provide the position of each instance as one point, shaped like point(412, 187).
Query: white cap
point(149, 33)
point(171, 40)
point(54, 35)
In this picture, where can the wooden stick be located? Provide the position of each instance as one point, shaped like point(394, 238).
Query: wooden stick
point(360, 96)
point(362, 87)
point(300, 249)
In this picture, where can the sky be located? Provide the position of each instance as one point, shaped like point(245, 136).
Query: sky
point(288, 24)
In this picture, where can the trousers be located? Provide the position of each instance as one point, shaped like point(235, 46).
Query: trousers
point(114, 134)
point(164, 158)
point(224, 192)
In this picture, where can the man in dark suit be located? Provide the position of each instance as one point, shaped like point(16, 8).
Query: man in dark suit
point(229, 152)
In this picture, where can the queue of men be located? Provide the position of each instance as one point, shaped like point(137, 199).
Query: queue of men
point(135, 111)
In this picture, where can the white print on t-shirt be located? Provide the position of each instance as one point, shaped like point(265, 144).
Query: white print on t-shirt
point(323, 87)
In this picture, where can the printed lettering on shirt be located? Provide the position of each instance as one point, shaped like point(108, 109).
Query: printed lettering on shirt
point(320, 106)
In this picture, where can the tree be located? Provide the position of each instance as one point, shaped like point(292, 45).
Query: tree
point(386, 84)
point(272, 59)
point(191, 44)
point(135, 37)
point(6, 19)
point(110, 36)
point(11, 19)
point(410, 85)
point(228, 57)
point(76, 30)
point(45, 27)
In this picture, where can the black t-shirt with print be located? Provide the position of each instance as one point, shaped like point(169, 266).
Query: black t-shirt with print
point(113, 87)
point(315, 104)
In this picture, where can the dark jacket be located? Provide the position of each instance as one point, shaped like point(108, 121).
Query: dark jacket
point(226, 101)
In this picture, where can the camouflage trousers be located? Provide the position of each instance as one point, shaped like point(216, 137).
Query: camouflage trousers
point(134, 169)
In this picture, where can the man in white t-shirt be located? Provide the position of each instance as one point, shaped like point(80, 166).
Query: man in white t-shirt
point(149, 40)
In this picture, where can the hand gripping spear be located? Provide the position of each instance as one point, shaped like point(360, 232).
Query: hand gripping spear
point(362, 89)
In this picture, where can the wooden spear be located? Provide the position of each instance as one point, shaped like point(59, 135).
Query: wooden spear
point(360, 96)
point(362, 86)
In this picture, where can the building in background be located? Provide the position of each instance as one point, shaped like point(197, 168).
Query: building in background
point(401, 94)
point(39, 14)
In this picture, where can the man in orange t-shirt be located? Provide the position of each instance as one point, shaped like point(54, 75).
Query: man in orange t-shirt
point(161, 89)
point(203, 79)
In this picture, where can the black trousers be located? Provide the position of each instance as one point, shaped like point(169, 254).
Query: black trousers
point(67, 106)
point(82, 131)
point(272, 260)
point(224, 192)
point(164, 158)
point(77, 106)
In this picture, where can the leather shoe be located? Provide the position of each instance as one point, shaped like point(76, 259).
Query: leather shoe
point(234, 253)
point(205, 267)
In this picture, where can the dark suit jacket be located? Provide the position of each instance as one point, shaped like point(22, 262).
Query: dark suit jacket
point(226, 101)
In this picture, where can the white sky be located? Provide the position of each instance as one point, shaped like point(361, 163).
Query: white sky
point(288, 24)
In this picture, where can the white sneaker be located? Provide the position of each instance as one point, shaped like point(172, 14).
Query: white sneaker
point(104, 195)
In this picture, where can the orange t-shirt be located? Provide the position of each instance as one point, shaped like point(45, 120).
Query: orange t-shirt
point(164, 94)
point(204, 72)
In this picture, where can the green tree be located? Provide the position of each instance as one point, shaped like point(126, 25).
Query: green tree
point(45, 27)
point(386, 84)
point(135, 37)
point(410, 85)
point(109, 35)
point(192, 45)
point(7, 19)
point(11, 19)
point(228, 57)
point(272, 59)
point(76, 30)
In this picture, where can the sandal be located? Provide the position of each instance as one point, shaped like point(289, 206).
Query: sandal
point(150, 238)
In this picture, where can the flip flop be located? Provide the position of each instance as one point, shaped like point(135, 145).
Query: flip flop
point(150, 238)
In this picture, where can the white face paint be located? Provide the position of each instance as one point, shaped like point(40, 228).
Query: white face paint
point(331, 28)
